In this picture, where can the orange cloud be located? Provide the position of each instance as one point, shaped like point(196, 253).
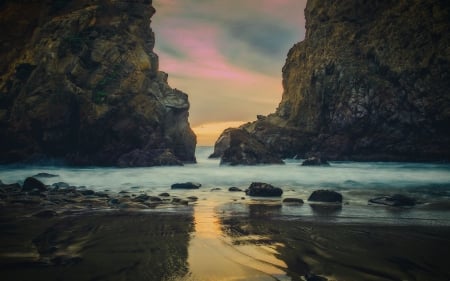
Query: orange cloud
point(208, 133)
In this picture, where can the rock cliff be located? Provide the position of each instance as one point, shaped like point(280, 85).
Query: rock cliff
point(370, 81)
point(80, 83)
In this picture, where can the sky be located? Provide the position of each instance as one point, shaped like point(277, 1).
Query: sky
point(227, 56)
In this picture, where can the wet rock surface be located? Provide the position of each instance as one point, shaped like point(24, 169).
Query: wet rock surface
point(396, 200)
point(261, 189)
point(328, 196)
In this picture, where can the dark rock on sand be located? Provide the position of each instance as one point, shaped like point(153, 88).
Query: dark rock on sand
point(164, 194)
point(87, 192)
point(61, 185)
point(180, 201)
point(186, 185)
point(234, 189)
point(263, 190)
point(315, 161)
point(45, 214)
point(329, 196)
point(293, 200)
point(142, 197)
point(32, 183)
point(44, 175)
point(396, 200)
point(114, 201)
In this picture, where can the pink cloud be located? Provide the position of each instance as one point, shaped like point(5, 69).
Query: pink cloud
point(200, 47)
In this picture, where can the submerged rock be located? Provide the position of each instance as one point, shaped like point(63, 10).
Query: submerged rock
point(396, 200)
point(262, 189)
point(328, 196)
point(186, 185)
point(315, 161)
point(44, 175)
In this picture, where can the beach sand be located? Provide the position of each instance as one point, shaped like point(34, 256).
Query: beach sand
point(206, 241)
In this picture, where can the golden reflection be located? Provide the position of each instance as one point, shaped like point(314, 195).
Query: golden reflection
point(215, 256)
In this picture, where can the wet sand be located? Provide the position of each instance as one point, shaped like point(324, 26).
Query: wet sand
point(207, 241)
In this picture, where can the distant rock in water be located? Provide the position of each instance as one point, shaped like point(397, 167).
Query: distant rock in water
point(359, 89)
point(80, 82)
point(262, 189)
point(44, 175)
point(186, 185)
point(396, 200)
point(238, 147)
point(315, 161)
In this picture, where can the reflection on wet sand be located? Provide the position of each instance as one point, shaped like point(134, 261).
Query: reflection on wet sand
point(214, 255)
point(95, 246)
point(340, 251)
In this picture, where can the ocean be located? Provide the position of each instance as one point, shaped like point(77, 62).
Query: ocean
point(428, 183)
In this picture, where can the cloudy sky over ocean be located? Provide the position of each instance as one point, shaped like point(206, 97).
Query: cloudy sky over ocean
point(227, 55)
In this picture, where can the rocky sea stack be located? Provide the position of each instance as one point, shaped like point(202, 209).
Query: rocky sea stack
point(79, 82)
point(370, 82)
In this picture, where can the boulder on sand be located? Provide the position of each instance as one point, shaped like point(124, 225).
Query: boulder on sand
point(263, 190)
point(32, 183)
point(328, 196)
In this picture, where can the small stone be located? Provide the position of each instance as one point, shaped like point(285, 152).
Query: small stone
point(216, 189)
point(164, 194)
point(114, 201)
point(142, 197)
point(87, 192)
point(234, 189)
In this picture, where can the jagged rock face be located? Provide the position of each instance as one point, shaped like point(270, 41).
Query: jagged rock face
point(81, 83)
point(370, 81)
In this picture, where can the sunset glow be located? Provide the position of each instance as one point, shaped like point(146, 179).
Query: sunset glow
point(227, 56)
